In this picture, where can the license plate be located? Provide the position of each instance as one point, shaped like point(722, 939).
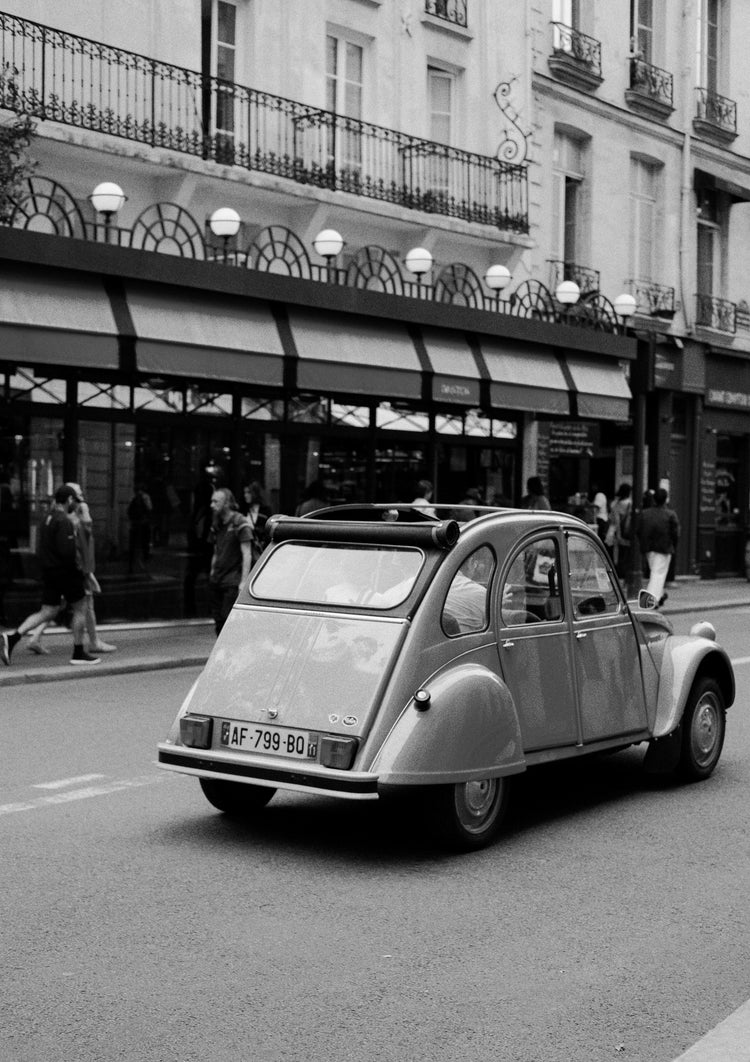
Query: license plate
point(269, 740)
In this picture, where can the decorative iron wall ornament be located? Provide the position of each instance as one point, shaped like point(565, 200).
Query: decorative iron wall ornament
point(515, 145)
point(595, 311)
point(375, 269)
point(45, 206)
point(277, 249)
point(460, 285)
point(168, 229)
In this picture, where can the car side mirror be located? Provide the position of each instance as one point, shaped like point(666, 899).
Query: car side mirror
point(646, 600)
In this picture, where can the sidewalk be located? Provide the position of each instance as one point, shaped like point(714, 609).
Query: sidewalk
point(187, 643)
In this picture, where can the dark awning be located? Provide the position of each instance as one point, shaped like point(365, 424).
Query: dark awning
point(56, 318)
point(456, 374)
point(602, 392)
point(527, 378)
point(357, 355)
point(209, 337)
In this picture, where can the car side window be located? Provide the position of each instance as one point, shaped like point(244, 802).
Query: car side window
point(592, 587)
point(466, 605)
point(531, 589)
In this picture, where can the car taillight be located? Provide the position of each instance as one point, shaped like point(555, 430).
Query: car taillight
point(338, 752)
point(195, 731)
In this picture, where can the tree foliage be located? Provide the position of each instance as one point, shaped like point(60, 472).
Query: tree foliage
point(16, 134)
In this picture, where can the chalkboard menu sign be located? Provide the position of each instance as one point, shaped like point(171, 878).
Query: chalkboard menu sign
point(707, 483)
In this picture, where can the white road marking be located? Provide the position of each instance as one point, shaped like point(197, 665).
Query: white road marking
point(78, 794)
point(727, 1042)
point(740, 660)
point(61, 783)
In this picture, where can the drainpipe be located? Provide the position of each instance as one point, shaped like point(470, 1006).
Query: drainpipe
point(687, 218)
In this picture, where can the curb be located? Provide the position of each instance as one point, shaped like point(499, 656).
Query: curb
point(61, 674)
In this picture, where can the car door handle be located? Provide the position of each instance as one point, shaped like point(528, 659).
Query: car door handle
point(508, 644)
point(581, 634)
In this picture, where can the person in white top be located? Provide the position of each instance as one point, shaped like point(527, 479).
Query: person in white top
point(424, 497)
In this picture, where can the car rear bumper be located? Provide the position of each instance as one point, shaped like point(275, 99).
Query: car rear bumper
point(206, 764)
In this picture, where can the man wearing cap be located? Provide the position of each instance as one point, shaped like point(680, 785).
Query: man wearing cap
point(62, 578)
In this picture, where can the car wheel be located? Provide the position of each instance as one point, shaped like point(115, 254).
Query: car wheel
point(235, 798)
point(466, 816)
point(703, 727)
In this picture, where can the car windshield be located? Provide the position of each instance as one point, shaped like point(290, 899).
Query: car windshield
point(331, 573)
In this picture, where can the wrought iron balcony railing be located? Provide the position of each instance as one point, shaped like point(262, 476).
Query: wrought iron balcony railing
point(450, 10)
point(586, 279)
point(715, 114)
point(652, 300)
point(719, 314)
point(575, 56)
point(647, 80)
point(64, 78)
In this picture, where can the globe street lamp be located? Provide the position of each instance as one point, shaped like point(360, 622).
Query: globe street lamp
point(106, 199)
point(497, 278)
point(418, 261)
point(225, 222)
point(328, 244)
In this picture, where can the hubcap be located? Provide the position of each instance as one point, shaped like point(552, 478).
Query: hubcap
point(704, 732)
point(476, 803)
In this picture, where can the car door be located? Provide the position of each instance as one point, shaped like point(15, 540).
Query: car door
point(605, 651)
point(534, 645)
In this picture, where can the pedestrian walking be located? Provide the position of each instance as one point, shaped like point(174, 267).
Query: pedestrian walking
point(658, 531)
point(257, 513)
point(140, 510)
point(84, 525)
point(62, 579)
point(232, 536)
point(314, 497)
point(599, 500)
point(619, 536)
point(424, 497)
point(535, 498)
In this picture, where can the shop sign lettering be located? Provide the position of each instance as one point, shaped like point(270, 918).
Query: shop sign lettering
point(731, 399)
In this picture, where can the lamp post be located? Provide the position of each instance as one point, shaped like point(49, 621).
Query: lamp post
point(328, 244)
point(225, 222)
point(625, 306)
point(567, 294)
point(419, 262)
point(497, 278)
point(106, 199)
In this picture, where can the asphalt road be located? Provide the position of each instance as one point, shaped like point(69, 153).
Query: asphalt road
point(139, 925)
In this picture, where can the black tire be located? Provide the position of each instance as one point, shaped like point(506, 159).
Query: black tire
point(468, 815)
point(703, 727)
point(235, 798)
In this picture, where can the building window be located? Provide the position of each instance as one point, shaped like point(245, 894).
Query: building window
point(220, 66)
point(643, 30)
point(710, 33)
point(567, 197)
point(568, 12)
point(644, 178)
point(344, 84)
point(709, 242)
point(440, 100)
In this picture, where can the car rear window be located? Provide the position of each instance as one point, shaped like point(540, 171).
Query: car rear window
point(332, 573)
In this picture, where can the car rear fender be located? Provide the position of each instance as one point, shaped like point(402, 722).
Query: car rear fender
point(686, 657)
point(464, 727)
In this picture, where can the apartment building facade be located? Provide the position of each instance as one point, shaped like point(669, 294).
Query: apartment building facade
point(433, 208)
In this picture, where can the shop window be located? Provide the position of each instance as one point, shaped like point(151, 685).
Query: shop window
point(216, 405)
point(103, 396)
point(26, 387)
point(504, 429)
point(255, 408)
point(477, 424)
point(350, 416)
point(164, 400)
point(398, 418)
point(727, 474)
point(308, 410)
point(449, 424)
